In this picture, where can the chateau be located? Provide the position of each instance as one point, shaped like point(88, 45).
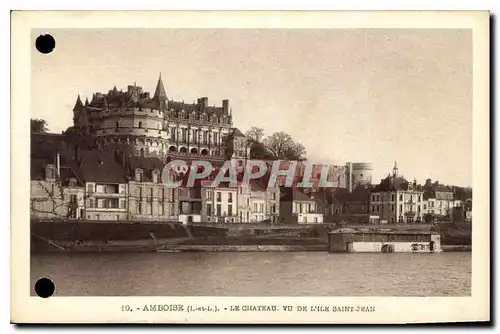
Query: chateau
point(137, 124)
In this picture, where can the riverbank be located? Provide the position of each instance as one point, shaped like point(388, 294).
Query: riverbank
point(456, 248)
point(92, 236)
point(243, 248)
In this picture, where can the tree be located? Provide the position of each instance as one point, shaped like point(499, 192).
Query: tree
point(282, 146)
point(39, 125)
point(255, 134)
point(296, 152)
point(259, 151)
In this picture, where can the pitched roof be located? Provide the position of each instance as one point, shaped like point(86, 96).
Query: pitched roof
point(359, 194)
point(343, 196)
point(443, 188)
point(160, 94)
point(146, 164)
point(237, 133)
point(294, 194)
point(392, 182)
point(37, 171)
point(100, 166)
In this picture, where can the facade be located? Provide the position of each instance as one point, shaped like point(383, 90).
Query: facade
point(298, 207)
point(257, 203)
point(353, 207)
point(190, 204)
point(439, 200)
point(396, 200)
point(149, 198)
point(106, 186)
point(155, 126)
point(55, 192)
point(219, 204)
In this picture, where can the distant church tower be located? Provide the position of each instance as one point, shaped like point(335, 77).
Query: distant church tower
point(395, 169)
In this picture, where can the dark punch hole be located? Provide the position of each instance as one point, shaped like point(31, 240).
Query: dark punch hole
point(45, 43)
point(44, 287)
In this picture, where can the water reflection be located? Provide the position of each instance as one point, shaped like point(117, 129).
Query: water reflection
point(256, 274)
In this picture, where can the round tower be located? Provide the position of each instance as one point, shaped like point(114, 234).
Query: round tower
point(131, 121)
point(358, 173)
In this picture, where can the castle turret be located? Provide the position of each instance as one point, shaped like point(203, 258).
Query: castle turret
point(78, 104)
point(160, 95)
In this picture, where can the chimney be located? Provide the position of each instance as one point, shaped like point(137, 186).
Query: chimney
point(58, 164)
point(349, 166)
point(124, 159)
point(225, 107)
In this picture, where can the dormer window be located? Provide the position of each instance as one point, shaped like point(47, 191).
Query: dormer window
point(138, 175)
point(155, 175)
point(72, 182)
point(50, 172)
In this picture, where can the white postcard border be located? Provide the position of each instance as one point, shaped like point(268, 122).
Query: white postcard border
point(25, 308)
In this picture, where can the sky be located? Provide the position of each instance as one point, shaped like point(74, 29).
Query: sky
point(360, 95)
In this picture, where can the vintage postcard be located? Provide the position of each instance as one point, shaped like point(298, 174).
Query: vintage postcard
point(250, 167)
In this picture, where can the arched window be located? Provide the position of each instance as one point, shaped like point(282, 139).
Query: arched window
point(140, 125)
point(142, 152)
point(117, 124)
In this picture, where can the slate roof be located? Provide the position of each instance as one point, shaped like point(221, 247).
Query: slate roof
point(392, 183)
point(37, 171)
point(160, 94)
point(147, 165)
point(343, 196)
point(289, 194)
point(237, 133)
point(100, 166)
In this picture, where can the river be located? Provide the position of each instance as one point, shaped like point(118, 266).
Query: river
point(255, 274)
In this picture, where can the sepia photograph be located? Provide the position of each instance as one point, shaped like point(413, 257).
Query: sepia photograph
point(254, 161)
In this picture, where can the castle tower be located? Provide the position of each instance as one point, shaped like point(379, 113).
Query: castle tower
point(358, 173)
